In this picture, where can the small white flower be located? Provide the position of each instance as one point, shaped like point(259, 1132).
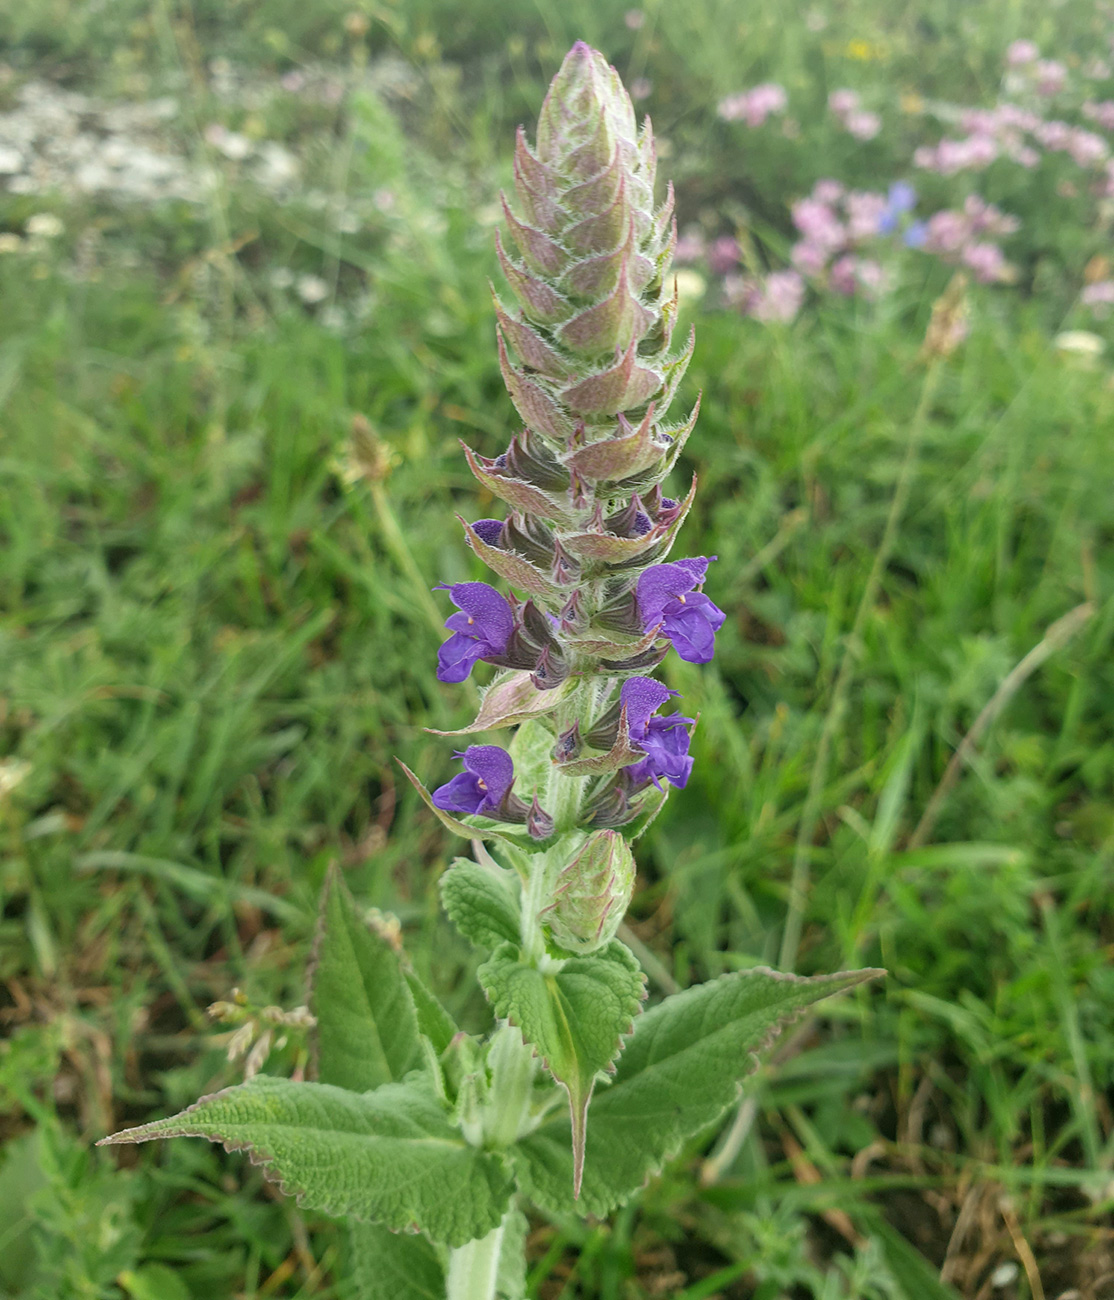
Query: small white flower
point(10, 243)
point(45, 225)
point(11, 160)
point(13, 771)
point(1004, 1274)
point(1080, 343)
point(311, 288)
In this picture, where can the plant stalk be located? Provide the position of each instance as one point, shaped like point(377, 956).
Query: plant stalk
point(474, 1268)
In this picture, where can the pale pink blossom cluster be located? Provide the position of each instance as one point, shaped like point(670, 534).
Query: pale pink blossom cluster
point(691, 247)
point(1021, 53)
point(754, 106)
point(1085, 147)
point(1001, 132)
point(973, 153)
point(1101, 113)
point(774, 297)
point(835, 223)
point(846, 108)
point(966, 236)
point(1099, 297)
point(1046, 76)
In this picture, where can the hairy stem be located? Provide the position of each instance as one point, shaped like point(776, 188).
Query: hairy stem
point(474, 1268)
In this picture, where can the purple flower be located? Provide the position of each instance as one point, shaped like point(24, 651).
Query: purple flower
point(482, 629)
point(901, 199)
point(482, 787)
point(667, 753)
point(665, 741)
point(668, 598)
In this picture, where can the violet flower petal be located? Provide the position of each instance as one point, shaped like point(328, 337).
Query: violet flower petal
point(493, 767)
point(457, 656)
point(483, 785)
point(642, 696)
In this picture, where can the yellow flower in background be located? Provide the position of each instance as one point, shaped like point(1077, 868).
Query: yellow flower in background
point(911, 103)
point(865, 51)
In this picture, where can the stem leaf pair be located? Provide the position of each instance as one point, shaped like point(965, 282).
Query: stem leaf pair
point(574, 1017)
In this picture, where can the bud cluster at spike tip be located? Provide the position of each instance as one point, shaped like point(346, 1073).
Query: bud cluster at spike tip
point(588, 355)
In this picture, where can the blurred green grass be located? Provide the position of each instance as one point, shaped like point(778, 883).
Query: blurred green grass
point(211, 653)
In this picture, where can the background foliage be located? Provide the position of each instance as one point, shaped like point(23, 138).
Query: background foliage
point(217, 634)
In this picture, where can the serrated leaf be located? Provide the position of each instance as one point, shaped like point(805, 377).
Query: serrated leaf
point(679, 1072)
point(386, 1265)
point(574, 1017)
point(510, 700)
point(367, 1026)
point(482, 902)
point(433, 1020)
point(389, 1156)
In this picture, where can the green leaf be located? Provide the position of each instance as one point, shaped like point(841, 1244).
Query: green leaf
point(679, 1072)
point(390, 1156)
point(574, 1016)
point(918, 1279)
point(153, 1282)
point(386, 1265)
point(433, 1020)
point(367, 1026)
point(482, 902)
point(531, 748)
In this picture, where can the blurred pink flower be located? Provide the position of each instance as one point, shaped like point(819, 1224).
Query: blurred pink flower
point(864, 214)
point(842, 102)
point(842, 278)
point(691, 247)
point(634, 18)
point(863, 125)
point(809, 259)
point(828, 191)
point(1051, 77)
point(723, 254)
point(818, 224)
point(779, 298)
point(1102, 113)
point(1099, 297)
point(986, 261)
point(986, 219)
point(755, 105)
point(1086, 148)
point(946, 232)
point(1021, 52)
point(974, 153)
point(641, 88)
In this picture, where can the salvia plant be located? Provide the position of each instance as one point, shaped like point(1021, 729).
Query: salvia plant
point(428, 1140)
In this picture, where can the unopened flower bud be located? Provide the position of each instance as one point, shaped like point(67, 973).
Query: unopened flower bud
point(592, 894)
